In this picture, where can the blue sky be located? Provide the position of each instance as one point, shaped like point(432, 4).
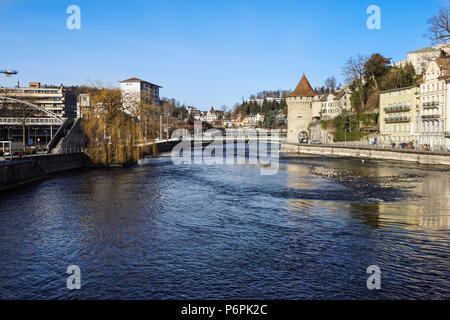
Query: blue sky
point(204, 53)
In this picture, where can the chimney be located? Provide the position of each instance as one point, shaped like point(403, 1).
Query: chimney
point(35, 85)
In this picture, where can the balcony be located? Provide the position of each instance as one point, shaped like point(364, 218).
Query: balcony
point(397, 119)
point(397, 109)
point(431, 116)
point(430, 105)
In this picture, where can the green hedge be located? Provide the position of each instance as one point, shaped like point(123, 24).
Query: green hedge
point(350, 136)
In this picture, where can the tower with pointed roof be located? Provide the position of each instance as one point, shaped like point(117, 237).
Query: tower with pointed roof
point(300, 110)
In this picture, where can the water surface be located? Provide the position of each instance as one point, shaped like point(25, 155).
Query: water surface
point(161, 231)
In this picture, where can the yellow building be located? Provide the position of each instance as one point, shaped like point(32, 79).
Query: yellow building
point(397, 115)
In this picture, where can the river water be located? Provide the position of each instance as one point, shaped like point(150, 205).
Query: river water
point(165, 231)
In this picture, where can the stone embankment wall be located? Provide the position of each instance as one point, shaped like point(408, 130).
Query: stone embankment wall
point(368, 153)
point(19, 172)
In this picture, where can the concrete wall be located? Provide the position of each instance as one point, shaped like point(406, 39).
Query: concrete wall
point(76, 138)
point(19, 172)
point(367, 153)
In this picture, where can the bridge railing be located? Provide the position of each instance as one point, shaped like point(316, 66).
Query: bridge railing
point(17, 121)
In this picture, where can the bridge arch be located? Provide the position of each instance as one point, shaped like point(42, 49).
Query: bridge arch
point(51, 114)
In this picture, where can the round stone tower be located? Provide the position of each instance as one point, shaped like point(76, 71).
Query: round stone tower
point(300, 111)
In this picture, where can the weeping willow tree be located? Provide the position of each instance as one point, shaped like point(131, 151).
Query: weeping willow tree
point(117, 127)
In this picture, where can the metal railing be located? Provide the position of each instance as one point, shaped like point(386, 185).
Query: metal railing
point(397, 119)
point(397, 109)
point(15, 121)
point(431, 116)
point(438, 149)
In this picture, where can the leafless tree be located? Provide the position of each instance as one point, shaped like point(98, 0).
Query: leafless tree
point(330, 83)
point(353, 72)
point(439, 30)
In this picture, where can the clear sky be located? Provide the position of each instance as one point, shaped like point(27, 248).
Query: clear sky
point(204, 53)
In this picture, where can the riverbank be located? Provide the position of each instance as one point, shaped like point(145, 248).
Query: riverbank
point(430, 158)
point(20, 172)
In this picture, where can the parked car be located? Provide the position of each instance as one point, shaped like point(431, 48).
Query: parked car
point(302, 141)
point(316, 142)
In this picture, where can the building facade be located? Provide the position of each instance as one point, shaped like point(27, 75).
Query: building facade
point(334, 103)
point(83, 103)
point(420, 59)
point(136, 91)
point(39, 125)
point(300, 111)
point(397, 117)
point(433, 123)
point(56, 100)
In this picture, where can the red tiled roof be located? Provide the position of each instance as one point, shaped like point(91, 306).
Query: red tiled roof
point(303, 89)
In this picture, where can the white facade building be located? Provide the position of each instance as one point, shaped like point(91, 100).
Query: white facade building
point(433, 116)
point(136, 91)
point(334, 104)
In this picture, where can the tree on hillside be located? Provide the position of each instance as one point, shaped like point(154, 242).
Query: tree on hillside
point(399, 77)
point(439, 30)
point(375, 68)
point(353, 72)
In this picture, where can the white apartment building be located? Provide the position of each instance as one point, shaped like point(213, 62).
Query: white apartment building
point(432, 117)
point(261, 101)
point(83, 102)
point(134, 91)
point(254, 119)
point(213, 115)
point(200, 116)
point(334, 103)
point(420, 59)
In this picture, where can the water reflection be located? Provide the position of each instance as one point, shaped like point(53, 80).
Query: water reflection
point(425, 205)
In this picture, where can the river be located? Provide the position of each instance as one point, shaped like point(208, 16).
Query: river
point(166, 231)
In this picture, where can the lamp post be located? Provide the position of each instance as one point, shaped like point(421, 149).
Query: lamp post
point(166, 111)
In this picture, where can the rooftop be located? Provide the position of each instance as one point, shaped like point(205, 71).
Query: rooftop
point(303, 89)
point(139, 80)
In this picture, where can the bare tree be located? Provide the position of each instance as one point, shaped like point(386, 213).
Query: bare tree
point(353, 72)
point(439, 30)
point(330, 83)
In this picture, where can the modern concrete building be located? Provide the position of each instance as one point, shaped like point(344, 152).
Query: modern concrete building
point(56, 100)
point(398, 115)
point(300, 110)
point(39, 125)
point(136, 91)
